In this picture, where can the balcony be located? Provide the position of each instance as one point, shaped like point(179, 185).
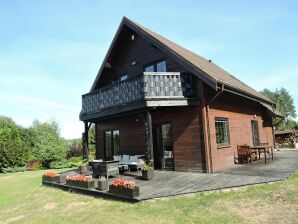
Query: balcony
point(150, 89)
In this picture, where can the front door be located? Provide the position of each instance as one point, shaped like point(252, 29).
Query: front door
point(163, 146)
point(255, 133)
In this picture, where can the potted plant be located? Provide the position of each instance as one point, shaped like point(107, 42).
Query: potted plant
point(81, 181)
point(148, 171)
point(124, 188)
point(83, 167)
point(53, 177)
point(50, 177)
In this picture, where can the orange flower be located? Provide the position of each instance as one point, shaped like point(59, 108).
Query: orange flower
point(124, 183)
point(50, 174)
point(78, 177)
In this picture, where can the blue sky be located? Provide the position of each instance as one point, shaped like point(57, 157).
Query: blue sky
point(50, 51)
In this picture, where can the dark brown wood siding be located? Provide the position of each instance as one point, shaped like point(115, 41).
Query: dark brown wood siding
point(132, 135)
point(187, 136)
point(139, 50)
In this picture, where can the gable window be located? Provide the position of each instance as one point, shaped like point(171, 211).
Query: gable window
point(111, 143)
point(222, 132)
point(160, 66)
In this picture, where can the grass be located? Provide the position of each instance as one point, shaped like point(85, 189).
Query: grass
point(24, 200)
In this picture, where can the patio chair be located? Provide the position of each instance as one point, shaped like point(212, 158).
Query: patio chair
point(245, 154)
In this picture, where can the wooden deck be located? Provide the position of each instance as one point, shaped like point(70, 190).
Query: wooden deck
point(171, 183)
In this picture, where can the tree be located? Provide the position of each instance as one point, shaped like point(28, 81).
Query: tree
point(48, 145)
point(91, 135)
point(285, 105)
point(14, 150)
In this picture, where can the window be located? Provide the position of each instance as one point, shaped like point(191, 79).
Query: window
point(160, 66)
point(222, 132)
point(112, 143)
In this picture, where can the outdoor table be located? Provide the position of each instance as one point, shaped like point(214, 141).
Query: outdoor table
point(263, 148)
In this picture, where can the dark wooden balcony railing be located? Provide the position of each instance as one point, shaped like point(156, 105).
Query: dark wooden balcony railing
point(149, 85)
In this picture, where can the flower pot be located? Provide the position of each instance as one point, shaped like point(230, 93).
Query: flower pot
point(102, 184)
point(53, 179)
point(124, 192)
point(61, 179)
point(83, 169)
point(86, 184)
point(70, 182)
point(148, 174)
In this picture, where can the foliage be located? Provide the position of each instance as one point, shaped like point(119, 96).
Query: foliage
point(48, 145)
point(75, 161)
point(33, 164)
point(91, 136)
point(14, 151)
point(13, 169)
point(285, 105)
point(148, 165)
point(60, 164)
point(75, 148)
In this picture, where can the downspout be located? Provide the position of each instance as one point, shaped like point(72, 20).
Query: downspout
point(208, 145)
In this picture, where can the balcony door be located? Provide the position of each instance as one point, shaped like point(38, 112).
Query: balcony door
point(163, 147)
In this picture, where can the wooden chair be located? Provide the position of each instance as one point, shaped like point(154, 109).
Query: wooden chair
point(245, 154)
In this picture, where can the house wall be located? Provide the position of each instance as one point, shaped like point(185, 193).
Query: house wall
point(132, 135)
point(126, 51)
point(187, 139)
point(240, 112)
point(187, 136)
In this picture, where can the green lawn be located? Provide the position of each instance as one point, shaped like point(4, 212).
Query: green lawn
point(24, 200)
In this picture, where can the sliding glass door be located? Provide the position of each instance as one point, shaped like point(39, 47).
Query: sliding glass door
point(163, 146)
point(111, 143)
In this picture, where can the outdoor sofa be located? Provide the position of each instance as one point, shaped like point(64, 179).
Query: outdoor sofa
point(136, 161)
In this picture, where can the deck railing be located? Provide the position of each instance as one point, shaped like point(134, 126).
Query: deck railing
point(149, 85)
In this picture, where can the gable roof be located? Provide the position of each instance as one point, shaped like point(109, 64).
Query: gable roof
point(204, 69)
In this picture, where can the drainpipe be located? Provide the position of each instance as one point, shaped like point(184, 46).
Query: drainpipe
point(206, 124)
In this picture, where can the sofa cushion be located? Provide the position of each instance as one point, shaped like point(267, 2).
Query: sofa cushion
point(133, 159)
point(124, 160)
point(116, 158)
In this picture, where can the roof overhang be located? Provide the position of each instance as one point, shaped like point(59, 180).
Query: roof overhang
point(270, 108)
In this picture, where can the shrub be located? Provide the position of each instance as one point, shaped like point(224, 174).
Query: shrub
point(13, 150)
point(60, 164)
point(48, 145)
point(75, 161)
point(74, 151)
point(13, 169)
point(33, 164)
